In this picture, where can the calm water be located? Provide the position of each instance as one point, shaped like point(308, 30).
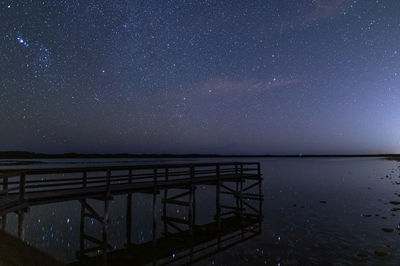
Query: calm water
point(316, 212)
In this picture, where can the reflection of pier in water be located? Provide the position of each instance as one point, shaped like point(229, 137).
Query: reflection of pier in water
point(238, 216)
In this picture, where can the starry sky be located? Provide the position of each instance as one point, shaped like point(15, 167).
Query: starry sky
point(205, 76)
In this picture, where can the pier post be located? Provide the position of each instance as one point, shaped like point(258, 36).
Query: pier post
point(130, 176)
point(191, 200)
point(165, 202)
point(84, 179)
point(129, 219)
point(259, 190)
point(105, 227)
point(154, 214)
point(20, 225)
point(237, 187)
point(194, 204)
point(22, 187)
point(105, 216)
point(218, 207)
point(5, 185)
point(217, 194)
point(129, 212)
point(82, 230)
point(241, 195)
point(3, 222)
point(108, 183)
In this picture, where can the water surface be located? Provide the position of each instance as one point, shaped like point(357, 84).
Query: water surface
point(316, 211)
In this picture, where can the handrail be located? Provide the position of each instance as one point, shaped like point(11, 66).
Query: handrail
point(133, 176)
point(37, 171)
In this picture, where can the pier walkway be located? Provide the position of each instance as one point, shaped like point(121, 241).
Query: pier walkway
point(38, 186)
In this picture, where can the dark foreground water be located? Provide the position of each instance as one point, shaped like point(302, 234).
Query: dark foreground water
point(316, 211)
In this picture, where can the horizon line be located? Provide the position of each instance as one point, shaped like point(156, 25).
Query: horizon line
point(27, 154)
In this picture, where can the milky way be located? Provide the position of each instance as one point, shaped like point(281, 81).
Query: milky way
point(252, 77)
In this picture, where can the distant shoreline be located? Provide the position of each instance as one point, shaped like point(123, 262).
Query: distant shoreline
point(32, 155)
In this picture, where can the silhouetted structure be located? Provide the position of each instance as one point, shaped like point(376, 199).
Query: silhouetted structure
point(237, 218)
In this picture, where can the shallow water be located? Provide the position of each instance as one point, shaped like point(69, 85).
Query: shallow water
point(317, 211)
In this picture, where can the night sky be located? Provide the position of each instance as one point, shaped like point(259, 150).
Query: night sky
point(230, 77)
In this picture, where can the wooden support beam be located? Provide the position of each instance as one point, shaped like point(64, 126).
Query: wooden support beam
point(105, 224)
point(230, 207)
point(217, 197)
point(252, 185)
point(84, 179)
point(3, 222)
point(180, 195)
point(21, 225)
point(251, 207)
point(129, 219)
point(175, 220)
point(154, 231)
point(108, 183)
point(82, 229)
point(22, 187)
point(164, 203)
point(5, 185)
point(92, 212)
point(97, 241)
point(176, 202)
point(173, 226)
point(227, 188)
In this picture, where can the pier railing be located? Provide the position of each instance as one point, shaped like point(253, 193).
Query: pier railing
point(18, 183)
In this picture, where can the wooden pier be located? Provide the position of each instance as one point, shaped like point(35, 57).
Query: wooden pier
point(38, 186)
point(180, 240)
